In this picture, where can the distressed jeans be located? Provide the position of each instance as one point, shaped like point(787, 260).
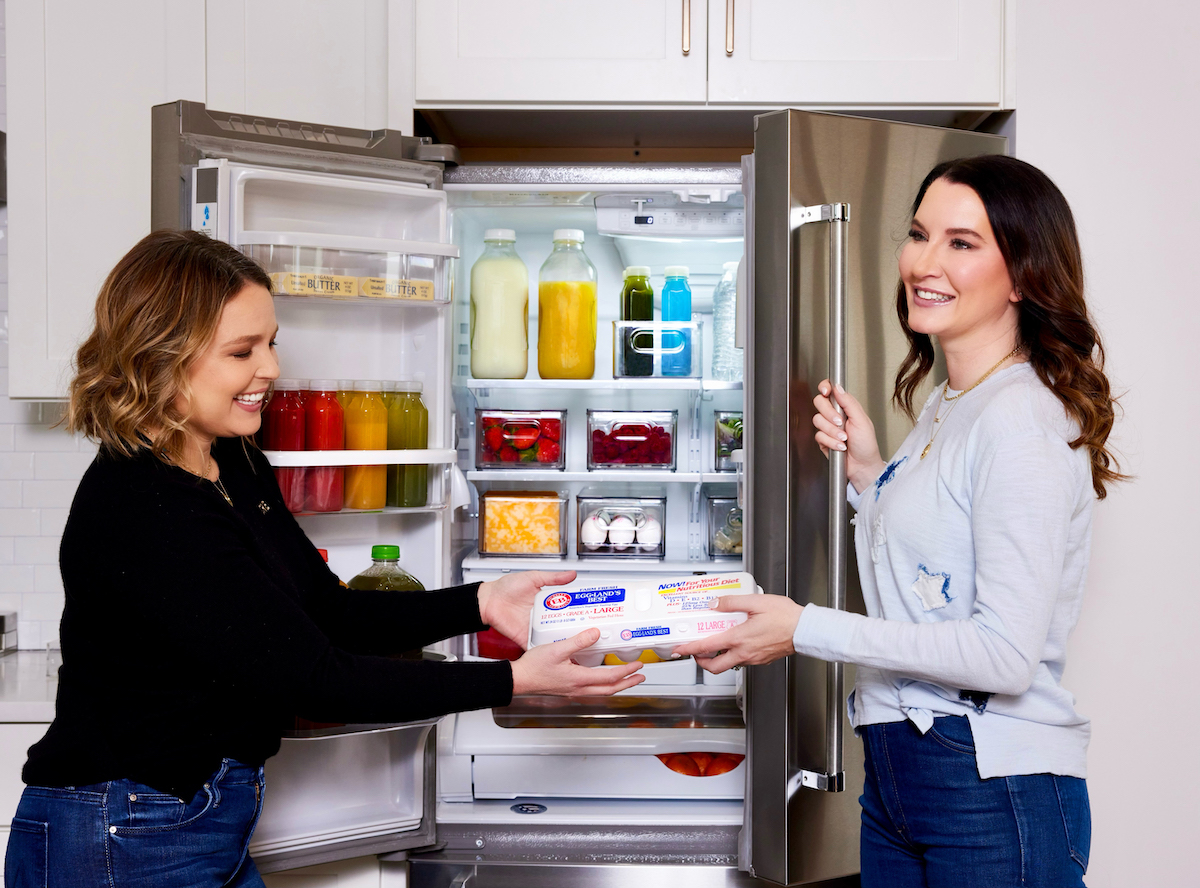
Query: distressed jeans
point(123, 834)
point(929, 821)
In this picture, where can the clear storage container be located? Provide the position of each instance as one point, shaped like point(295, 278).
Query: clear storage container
point(349, 274)
point(627, 521)
point(724, 520)
point(640, 348)
point(727, 433)
point(520, 439)
point(631, 439)
point(523, 522)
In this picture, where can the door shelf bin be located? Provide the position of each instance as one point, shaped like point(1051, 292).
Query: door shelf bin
point(351, 274)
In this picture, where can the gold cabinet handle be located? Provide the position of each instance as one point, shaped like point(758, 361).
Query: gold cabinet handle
point(687, 26)
point(728, 27)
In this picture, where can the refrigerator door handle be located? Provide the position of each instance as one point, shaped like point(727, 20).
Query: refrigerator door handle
point(687, 27)
point(837, 215)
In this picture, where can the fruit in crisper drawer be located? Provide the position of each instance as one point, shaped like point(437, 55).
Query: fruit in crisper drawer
point(632, 444)
point(702, 760)
point(723, 763)
point(680, 763)
point(701, 764)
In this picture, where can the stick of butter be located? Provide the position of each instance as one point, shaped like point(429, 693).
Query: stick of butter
point(635, 616)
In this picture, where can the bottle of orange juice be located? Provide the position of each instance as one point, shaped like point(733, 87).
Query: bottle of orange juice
point(567, 310)
point(366, 429)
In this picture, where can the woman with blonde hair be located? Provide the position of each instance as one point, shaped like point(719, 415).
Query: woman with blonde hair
point(972, 545)
point(199, 619)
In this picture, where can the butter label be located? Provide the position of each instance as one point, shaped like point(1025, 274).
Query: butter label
point(395, 288)
point(295, 283)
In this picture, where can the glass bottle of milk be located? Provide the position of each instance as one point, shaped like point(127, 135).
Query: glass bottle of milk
point(499, 309)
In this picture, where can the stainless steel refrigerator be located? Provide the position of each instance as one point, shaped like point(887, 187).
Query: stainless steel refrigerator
point(830, 202)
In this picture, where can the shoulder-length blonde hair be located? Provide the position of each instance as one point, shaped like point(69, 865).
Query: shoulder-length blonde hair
point(155, 314)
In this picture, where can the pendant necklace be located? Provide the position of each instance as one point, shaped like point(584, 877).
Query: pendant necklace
point(217, 482)
point(954, 399)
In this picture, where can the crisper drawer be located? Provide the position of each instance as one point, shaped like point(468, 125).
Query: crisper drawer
point(597, 777)
point(338, 793)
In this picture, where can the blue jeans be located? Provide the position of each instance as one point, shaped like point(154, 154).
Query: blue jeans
point(123, 834)
point(928, 820)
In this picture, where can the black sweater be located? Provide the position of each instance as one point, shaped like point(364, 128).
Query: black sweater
point(194, 631)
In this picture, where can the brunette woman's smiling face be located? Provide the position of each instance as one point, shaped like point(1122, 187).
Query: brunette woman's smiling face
point(954, 275)
point(230, 379)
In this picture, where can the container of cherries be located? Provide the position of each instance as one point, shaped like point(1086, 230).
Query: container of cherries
point(631, 439)
point(520, 439)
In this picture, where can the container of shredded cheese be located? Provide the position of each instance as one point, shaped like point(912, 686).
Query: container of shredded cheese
point(526, 522)
point(639, 615)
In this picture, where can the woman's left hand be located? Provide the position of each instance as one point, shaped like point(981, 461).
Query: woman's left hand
point(504, 604)
point(764, 637)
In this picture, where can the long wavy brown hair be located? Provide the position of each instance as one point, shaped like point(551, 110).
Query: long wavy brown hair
point(1035, 232)
point(155, 314)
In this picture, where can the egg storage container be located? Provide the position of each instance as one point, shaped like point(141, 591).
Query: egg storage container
point(523, 522)
point(638, 615)
point(520, 439)
point(727, 433)
point(631, 439)
point(724, 521)
point(654, 339)
point(627, 524)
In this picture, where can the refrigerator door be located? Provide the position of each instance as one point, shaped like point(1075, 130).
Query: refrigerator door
point(830, 207)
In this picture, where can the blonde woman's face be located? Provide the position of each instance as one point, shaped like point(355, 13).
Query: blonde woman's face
point(229, 380)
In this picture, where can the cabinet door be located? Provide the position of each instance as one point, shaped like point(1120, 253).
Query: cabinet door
point(81, 82)
point(870, 52)
point(568, 51)
point(304, 60)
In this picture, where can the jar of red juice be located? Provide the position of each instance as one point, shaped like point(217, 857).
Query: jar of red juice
point(283, 429)
point(323, 430)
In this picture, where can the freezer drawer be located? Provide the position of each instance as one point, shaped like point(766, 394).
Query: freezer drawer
point(597, 777)
point(333, 795)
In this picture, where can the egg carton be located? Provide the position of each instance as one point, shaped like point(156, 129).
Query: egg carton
point(639, 615)
point(621, 526)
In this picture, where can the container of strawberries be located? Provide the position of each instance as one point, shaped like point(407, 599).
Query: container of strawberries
point(520, 439)
point(631, 439)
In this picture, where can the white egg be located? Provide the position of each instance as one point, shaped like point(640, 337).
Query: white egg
point(592, 532)
point(650, 534)
point(621, 532)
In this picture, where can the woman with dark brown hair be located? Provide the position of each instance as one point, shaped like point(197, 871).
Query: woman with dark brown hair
point(199, 619)
point(972, 546)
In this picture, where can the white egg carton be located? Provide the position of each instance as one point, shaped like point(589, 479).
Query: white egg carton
point(626, 526)
point(639, 615)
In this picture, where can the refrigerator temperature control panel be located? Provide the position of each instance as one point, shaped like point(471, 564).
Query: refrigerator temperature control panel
point(686, 221)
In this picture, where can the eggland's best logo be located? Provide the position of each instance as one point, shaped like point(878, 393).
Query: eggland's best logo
point(626, 634)
point(557, 601)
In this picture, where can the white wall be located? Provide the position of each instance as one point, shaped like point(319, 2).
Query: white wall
point(40, 468)
point(1107, 99)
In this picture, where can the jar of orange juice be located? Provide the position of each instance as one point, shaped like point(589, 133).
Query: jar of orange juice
point(366, 429)
point(567, 310)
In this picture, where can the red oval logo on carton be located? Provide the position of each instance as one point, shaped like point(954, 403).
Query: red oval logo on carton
point(557, 601)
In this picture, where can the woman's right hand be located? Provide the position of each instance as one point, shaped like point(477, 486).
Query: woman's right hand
point(547, 669)
point(851, 431)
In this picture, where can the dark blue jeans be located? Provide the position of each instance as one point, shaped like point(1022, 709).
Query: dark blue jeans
point(929, 821)
point(122, 834)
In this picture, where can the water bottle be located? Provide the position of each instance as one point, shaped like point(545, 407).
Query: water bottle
point(727, 359)
point(677, 306)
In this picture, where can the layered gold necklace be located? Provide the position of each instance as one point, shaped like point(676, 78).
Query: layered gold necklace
point(937, 420)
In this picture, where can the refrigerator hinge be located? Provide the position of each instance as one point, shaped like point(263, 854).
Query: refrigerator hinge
point(834, 212)
point(816, 780)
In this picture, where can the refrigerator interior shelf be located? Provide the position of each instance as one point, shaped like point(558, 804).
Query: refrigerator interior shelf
point(599, 475)
point(657, 383)
point(345, 242)
point(671, 566)
point(285, 458)
point(358, 300)
point(386, 510)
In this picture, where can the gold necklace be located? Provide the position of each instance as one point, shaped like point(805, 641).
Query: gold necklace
point(937, 420)
point(217, 482)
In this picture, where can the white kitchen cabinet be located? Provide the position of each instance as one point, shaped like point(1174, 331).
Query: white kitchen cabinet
point(306, 60)
point(857, 52)
point(81, 80)
point(550, 51)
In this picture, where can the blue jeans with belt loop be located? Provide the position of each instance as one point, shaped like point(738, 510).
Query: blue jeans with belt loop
point(123, 834)
point(930, 821)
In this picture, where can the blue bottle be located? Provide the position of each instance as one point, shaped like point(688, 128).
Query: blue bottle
point(677, 306)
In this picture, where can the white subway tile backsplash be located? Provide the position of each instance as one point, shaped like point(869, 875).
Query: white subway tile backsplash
point(17, 466)
point(48, 494)
point(47, 579)
point(23, 523)
point(66, 466)
point(29, 634)
point(16, 578)
point(7, 554)
point(6, 437)
point(10, 493)
point(41, 606)
point(32, 438)
point(10, 601)
point(35, 550)
point(53, 521)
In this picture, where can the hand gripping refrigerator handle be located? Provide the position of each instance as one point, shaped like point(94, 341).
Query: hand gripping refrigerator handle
point(837, 215)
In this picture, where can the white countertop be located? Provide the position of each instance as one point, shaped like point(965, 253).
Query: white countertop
point(26, 693)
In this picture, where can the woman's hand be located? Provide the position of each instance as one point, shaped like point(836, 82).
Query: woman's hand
point(851, 431)
point(547, 669)
point(763, 638)
point(504, 604)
